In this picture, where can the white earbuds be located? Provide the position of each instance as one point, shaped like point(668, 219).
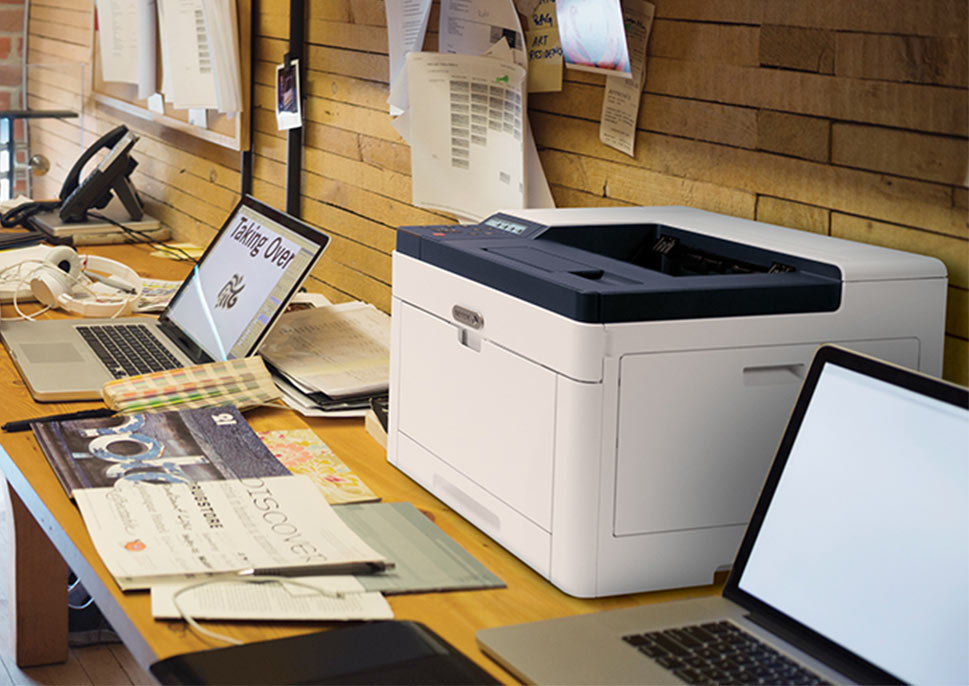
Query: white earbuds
point(63, 280)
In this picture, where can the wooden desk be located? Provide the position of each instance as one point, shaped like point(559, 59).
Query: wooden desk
point(48, 535)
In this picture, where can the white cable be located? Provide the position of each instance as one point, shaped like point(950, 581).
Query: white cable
point(20, 281)
point(83, 606)
point(282, 581)
point(79, 280)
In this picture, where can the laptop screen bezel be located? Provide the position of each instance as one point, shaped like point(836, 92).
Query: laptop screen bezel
point(175, 333)
point(788, 628)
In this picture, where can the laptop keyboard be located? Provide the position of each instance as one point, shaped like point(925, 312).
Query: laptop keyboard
point(127, 349)
point(719, 653)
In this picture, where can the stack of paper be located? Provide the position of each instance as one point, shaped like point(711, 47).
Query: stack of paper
point(199, 45)
point(463, 109)
point(333, 358)
point(222, 27)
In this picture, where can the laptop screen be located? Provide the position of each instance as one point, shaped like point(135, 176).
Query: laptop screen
point(866, 537)
point(247, 276)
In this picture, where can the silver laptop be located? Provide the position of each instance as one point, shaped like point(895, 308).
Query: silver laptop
point(223, 310)
point(854, 567)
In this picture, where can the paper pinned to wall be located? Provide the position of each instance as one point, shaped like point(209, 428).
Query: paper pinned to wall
point(222, 30)
point(406, 28)
point(474, 27)
point(620, 103)
point(467, 133)
point(192, 80)
point(593, 36)
point(118, 39)
point(200, 54)
point(147, 41)
point(545, 61)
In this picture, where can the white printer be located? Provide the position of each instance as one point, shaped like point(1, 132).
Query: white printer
point(602, 390)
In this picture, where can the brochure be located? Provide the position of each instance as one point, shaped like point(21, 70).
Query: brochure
point(303, 452)
point(183, 446)
point(282, 525)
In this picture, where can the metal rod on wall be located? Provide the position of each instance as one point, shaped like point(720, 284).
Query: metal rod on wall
point(294, 137)
point(246, 157)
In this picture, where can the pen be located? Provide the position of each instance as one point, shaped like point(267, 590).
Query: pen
point(321, 570)
point(24, 424)
point(108, 281)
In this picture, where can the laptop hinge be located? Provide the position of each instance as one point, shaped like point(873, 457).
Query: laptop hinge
point(184, 343)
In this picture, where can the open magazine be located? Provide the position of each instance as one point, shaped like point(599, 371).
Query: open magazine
point(165, 447)
point(146, 533)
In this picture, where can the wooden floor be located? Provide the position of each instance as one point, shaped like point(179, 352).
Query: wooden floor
point(104, 665)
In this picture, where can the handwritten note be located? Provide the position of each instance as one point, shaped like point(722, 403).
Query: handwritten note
point(620, 104)
point(544, 50)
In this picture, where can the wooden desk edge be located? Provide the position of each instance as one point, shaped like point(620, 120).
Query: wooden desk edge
point(21, 488)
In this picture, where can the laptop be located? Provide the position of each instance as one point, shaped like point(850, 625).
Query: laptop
point(223, 310)
point(854, 567)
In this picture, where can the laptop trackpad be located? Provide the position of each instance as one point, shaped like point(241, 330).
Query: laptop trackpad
point(44, 353)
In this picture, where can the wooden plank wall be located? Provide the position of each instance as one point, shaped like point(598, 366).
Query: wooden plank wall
point(848, 119)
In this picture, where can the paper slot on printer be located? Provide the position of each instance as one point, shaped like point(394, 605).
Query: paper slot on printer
point(612, 416)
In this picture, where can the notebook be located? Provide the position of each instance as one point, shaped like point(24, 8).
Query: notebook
point(223, 310)
point(855, 564)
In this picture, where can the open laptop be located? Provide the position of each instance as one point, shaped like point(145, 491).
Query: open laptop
point(223, 310)
point(854, 567)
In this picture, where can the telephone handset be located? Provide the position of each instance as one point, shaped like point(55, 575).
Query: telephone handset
point(112, 173)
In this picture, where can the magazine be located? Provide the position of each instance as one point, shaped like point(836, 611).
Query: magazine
point(148, 532)
point(183, 446)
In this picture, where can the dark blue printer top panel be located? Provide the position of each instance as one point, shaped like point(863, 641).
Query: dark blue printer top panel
point(624, 272)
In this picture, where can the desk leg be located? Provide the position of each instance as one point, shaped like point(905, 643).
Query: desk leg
point(38, 590)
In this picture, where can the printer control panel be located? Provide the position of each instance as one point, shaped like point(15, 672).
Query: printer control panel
point(495, 226)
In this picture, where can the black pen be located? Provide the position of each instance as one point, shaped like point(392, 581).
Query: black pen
point(321, 570)
point(24, 424)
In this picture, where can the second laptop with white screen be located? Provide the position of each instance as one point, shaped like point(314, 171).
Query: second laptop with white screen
point(854, 567)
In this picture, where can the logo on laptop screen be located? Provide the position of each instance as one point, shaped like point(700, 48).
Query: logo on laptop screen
point(229, 294)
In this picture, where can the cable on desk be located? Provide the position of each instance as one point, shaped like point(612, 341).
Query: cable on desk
point(19, 215)
point(281, 581)
point(16, 282)
point(143, 237)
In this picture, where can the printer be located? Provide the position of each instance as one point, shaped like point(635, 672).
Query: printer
point(602, 390)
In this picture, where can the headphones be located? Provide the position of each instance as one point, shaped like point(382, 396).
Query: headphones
point(67, 280)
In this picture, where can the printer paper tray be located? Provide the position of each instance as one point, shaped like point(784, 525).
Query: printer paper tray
point(508, 527)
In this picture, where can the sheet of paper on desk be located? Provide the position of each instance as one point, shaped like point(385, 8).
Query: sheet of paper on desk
point(340, 350)
point(148, 533)
point(272, 601)
point(425, 558)
point(299, 401)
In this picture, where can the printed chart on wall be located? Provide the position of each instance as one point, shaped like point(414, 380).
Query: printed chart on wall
point(467, 133)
